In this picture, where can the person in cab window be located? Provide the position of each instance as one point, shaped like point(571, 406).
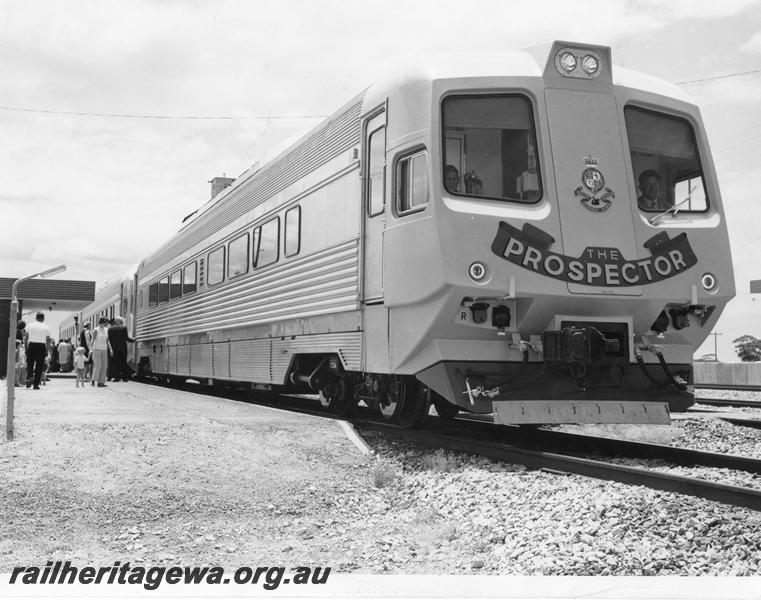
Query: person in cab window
point(650, 186)
point(452, 178)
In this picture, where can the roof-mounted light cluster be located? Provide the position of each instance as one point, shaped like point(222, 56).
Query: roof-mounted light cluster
point(574, 62)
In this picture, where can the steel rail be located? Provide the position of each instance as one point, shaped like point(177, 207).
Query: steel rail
point(719, 492)
point(627, 448)
point(729, 402)
point(754, 423)
point(717, 386)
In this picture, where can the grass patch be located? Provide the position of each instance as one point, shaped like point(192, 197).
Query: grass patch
point(382, 474)
point(440, 461)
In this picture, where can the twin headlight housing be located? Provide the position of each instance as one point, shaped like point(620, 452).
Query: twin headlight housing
point(573, 62)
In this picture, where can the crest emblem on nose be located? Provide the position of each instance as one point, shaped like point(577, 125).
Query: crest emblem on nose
point(593, 180)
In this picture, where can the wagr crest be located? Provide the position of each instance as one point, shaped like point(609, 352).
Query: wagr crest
point(593, 180)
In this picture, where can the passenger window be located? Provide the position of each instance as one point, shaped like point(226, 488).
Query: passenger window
point(665, 162)
point(267, 238)
point(189, 278)
point(216, 265)
point(412, 182)
point(490, 148)
point(175, 285)
point(163, 290)
point(292, 232)
point(140, 299)
point(376, 171)
point(238, 256)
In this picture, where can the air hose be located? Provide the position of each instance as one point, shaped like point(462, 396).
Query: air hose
point(682, 387)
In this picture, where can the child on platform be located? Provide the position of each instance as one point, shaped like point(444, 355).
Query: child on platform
point(80, 361)
point(20, 364)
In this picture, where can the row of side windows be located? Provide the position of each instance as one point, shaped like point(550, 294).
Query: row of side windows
point(180, 283)
point(232, 259)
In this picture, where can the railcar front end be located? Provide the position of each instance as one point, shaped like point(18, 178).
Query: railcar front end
point(573, 253)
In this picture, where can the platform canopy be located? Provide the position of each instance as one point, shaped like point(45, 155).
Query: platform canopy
point(50, 294)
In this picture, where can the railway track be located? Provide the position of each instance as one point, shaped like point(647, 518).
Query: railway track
point(743, 388)
point(530, 447)
point(730, 402)
point(561, 463)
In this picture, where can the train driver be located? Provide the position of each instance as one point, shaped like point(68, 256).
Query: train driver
point(452, 178)
point(650, 186)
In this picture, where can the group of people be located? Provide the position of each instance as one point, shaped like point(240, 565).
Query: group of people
point(100, 355)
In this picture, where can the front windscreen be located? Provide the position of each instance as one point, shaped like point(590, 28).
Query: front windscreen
point(665, 162)
point(490, 148)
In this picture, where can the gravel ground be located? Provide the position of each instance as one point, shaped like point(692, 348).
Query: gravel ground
point(162, 477)
point(505, 519)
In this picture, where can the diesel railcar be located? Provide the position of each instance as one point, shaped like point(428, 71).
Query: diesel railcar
point(537, 234)
point(114, 299)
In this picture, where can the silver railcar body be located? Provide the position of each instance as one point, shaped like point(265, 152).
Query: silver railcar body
point(537, 284)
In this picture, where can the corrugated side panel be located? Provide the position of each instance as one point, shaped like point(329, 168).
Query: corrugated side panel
point(323, 283)
point(222, 360)
point(200, 361)
point(250, 360)
point(337, 134)
point(171, 360)
point(346, 345)
point(183, 360)
point(159, 359)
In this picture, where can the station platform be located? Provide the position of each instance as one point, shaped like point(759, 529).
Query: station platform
point(158, 476)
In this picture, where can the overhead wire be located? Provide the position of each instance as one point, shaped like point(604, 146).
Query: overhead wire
point(261, 117)
point(149, 116)
point(725, 76)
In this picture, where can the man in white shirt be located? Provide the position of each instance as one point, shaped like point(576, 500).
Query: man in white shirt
point(36, 340)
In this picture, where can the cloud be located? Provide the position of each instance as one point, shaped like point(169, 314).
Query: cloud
point(692, 9)
point(753, 45)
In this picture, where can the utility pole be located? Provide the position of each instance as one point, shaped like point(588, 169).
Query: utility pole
point(11, 364)
point(715, 347)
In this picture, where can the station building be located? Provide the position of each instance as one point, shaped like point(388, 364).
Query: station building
point(40, 294)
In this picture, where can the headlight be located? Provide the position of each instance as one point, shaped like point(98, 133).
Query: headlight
point(708, 280)
point(567, 61)
point(589, 64)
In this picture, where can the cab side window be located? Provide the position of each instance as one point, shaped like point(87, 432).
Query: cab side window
point(665, 162)
point(412, 182)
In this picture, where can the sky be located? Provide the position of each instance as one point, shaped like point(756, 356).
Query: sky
point(114, 115)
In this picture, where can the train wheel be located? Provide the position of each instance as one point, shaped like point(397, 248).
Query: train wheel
point(414, 410)
point(338, 395)
point(406, 402)
point(444, 408)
